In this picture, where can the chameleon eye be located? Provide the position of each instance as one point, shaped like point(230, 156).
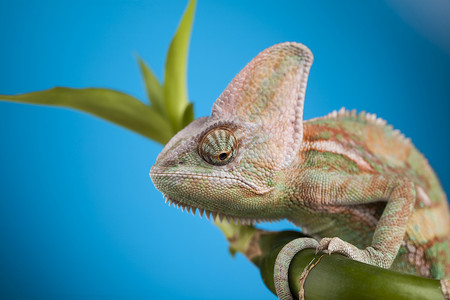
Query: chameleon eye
point(218, 146)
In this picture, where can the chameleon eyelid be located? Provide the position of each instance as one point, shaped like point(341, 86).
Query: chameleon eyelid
point(218, 146)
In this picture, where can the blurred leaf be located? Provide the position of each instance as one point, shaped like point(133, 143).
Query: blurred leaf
point(188, 115)
point(154, 89)
point(111, 105)
point(239, 236)
point(175, 91)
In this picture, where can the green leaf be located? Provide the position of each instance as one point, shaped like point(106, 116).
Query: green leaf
point(188, 115)
point(239, 236)
point(154, 89)
point(111, 105)
point(175, 91)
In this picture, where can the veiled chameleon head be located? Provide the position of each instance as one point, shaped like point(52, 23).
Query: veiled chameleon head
point(229, 163)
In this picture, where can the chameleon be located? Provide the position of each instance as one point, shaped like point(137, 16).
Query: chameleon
point(349, 180)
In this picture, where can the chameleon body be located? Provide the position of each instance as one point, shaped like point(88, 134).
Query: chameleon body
point(349, 180)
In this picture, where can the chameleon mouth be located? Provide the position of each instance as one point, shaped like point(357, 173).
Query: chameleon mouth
point(242, 182)
point(209, 214)
point(215, 216)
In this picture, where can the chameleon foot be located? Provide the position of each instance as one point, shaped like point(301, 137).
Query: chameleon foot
point(369, 255)
point(283, 261)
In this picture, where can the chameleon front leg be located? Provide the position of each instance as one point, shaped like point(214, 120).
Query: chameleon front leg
point(400, 195)
point(345, 190)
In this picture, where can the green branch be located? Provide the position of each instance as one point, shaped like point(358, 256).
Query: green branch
point(332, 276)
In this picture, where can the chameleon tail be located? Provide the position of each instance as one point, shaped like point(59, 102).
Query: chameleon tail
point(283, 261)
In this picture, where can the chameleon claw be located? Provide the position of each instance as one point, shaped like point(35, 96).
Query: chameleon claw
point(368, 255)
point(324, 246)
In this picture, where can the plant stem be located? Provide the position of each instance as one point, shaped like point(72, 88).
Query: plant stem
point(332, 276)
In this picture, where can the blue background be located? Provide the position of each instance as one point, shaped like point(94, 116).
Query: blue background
point(79, 216)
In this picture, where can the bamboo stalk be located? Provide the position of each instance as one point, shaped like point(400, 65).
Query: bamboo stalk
point(332, 276)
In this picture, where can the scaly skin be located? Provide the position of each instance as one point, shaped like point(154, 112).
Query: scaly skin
point(349, 180)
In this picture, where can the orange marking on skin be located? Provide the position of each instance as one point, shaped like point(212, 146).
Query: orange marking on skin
point(313, 141)
point(387, 147)
point(337, 148)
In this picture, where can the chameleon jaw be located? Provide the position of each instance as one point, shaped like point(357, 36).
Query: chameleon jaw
point(156, 175)
point(253, 187)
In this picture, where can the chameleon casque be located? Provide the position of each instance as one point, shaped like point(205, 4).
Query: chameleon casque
point(349, 180)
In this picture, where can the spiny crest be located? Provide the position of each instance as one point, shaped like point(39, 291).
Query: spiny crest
point(214, 216)
point(345, 114)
